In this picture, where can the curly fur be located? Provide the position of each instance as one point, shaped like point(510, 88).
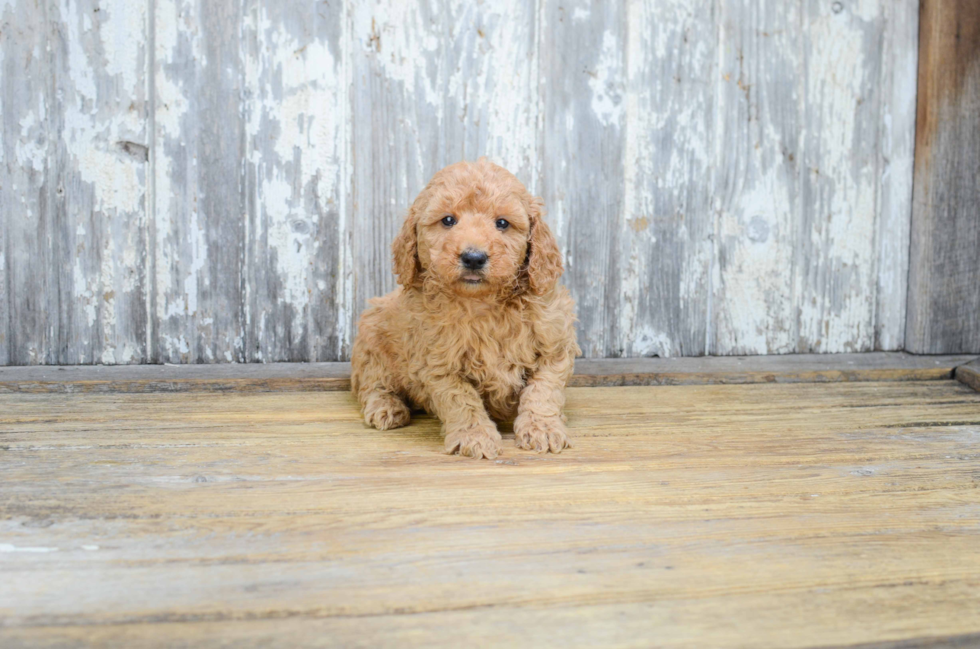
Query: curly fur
point(471, 353)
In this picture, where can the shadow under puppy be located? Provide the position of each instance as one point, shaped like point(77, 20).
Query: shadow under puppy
point(479, 329)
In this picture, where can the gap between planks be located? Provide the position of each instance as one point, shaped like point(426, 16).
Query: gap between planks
point(326, 377)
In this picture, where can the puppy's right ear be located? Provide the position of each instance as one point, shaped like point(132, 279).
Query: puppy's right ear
point(405, 250)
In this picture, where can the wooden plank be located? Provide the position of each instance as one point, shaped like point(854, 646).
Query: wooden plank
point(802, 368)
point(199, 143)
point(944, 270)
point(896, 142)
point(698, 515)
point(271, 377)
point(74, 183)
point(969, 374)
point(297, 178)
point(760, 154)
point(28, 319)
point(801, 243)
point(661, 250)
point(583, 52)
point(98, 116)
point(433, 83)
point(837, 272)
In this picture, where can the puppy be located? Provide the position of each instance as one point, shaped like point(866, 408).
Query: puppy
point(479, 329)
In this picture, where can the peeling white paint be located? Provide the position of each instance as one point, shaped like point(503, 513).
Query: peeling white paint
point(649, 342)
point(837, 81)
point(606, 82)
point(31, 148)
point(757, 279)
point(302, 125)
point(402, 37)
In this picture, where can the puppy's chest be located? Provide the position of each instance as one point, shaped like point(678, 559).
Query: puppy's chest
point(497, 358)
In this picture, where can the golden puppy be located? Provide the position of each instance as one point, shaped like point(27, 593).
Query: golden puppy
point(479, 329)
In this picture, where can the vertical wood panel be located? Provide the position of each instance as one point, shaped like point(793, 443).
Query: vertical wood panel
point(199, 182)
point(759, 165)
point(99, 114)
point(433, 83)
point(897, 133)
point(664, 247)
point(31, 271)
point(811, 233)
point(74, 157)
point(944, 274)
point(583, 87)
point(836, 271)
point(297, 178)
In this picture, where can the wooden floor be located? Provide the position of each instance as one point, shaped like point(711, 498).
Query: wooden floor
point(771, 515)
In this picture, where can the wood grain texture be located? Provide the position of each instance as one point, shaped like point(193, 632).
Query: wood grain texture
point(583, 80)
point(662, 252)
point(199, 219)
point(897, 83)
point(836, 270)
point(29, 295)
point(806, 255)
point(317, 377)
point(758, 158)
point(99, 114)
point(74, 183)
point(696, 515)
point(944, 273)
point(297, 178)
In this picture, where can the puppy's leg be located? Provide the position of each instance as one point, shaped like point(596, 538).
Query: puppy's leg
point(380, 403)
point(539, 425)
point(465, 423)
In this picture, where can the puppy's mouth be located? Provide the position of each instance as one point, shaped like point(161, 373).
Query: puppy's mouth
point(472, 279)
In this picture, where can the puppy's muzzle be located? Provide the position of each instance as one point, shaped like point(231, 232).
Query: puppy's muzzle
point(472, 259)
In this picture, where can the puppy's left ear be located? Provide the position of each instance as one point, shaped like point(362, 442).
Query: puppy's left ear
point(543, 257)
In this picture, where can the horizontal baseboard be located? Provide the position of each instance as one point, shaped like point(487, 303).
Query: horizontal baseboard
point(273, 377)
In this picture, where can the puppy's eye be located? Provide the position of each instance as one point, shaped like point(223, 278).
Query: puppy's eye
point(502, 224)
point(449, 220)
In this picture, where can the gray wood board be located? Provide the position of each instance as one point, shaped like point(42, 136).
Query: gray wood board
point(73, 182)
point(199, 143)
point(296, 179)
point(197, 181)
point(944, 274)
point(797, 368)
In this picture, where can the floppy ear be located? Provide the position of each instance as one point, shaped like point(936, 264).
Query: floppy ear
point(543, 258)
point(405, 250)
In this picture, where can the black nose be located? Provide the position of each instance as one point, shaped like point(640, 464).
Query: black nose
point(473, 259)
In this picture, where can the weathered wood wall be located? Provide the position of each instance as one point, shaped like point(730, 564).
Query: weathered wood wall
point(944, 276)
point(220, 180)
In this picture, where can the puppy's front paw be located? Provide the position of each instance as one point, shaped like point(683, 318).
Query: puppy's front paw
point(541, 434)
point(385, 411)
point(474, 441)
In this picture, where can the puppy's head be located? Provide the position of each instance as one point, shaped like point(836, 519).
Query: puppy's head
point(476, 230)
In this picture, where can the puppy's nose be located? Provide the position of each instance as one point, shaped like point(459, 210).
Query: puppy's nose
point(473, 259)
